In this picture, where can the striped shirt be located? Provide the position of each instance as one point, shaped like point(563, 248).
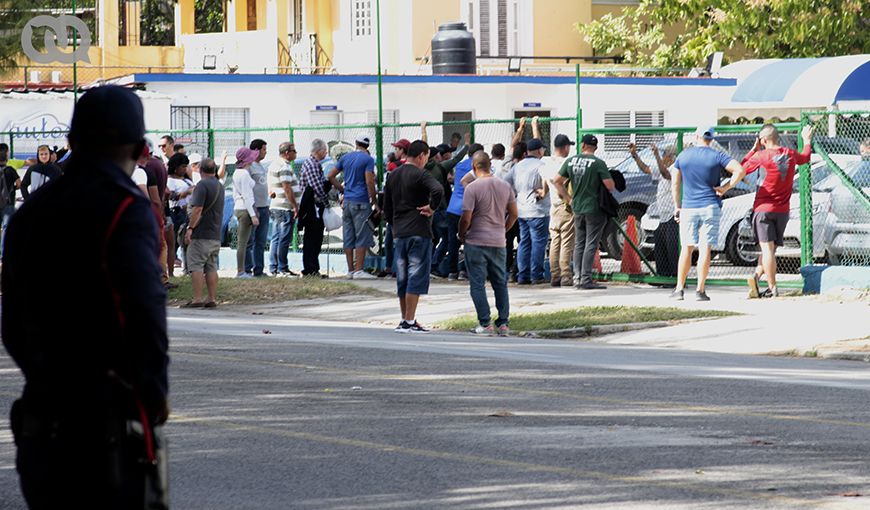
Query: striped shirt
point(312, 175)
point(280, 171)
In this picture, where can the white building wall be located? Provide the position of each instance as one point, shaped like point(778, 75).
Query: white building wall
point(280, 105)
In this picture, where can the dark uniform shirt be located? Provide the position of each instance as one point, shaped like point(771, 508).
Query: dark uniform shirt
point(85, 249)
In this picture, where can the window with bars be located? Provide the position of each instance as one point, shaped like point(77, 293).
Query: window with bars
point(615, 143)
point(361, 18)
point(230, 118)
point(495, 25)
point(649, 119)
point(391, 135)
point(184, 118)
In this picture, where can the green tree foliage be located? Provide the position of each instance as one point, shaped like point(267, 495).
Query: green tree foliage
point(157, 23)
point(740, 28)
point(209, 16)
point(14, 14)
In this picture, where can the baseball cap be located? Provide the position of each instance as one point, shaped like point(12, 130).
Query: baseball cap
point(707, 133)
point(433, 151)
point(364, 140)
point(590, 140)
point(246, 156)
point(534, 144)
point(195, 158)
point(561, 141)
point(404, 143)
point(108, 115)
point(444, 148)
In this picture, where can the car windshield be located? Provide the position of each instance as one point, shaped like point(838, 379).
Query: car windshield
point(858, 170)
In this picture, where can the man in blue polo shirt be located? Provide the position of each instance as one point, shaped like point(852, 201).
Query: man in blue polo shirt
point(698, 205)
point(360, 198)
point(454, 211)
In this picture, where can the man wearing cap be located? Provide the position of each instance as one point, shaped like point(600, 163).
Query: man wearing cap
point(533, 205)
point(97, 370)
point(157, 180)
point(401, 150)
point(286, 195)
point(698, 205)
point(243, 207)
point(561, 217)
point(193, 168)
point(360, 198)
point(442, 166)
point(587, 174)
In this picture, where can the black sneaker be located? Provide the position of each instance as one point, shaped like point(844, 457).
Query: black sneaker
point(768, 293)
point(416, 328)
point(539, 282)
point(591, 286)
point(403, 327)
point(701, 296)
point(677, 295)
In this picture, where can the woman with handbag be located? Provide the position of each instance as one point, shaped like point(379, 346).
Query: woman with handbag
point(179, 187)
point(243, 205)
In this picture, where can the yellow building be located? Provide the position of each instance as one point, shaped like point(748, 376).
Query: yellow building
point(320, 36)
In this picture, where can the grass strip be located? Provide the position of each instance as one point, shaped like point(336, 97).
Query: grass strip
point(586, 316)
point(232, 291)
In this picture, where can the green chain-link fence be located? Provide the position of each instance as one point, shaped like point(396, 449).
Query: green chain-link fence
point(837, 176)
point(837, 190)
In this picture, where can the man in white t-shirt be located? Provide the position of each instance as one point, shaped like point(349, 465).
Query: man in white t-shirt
point(561, 218)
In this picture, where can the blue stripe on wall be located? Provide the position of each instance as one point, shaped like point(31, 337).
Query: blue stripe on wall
point(371, 79)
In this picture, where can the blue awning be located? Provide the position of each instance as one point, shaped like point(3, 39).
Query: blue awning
point(802, 82)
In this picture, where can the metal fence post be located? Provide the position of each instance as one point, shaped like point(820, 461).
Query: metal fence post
point(806, 208)
point(211, 146)
point(471, 131)
point(579, 109)
point(11, 145)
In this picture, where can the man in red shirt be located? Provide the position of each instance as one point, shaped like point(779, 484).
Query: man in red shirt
point(773, 198)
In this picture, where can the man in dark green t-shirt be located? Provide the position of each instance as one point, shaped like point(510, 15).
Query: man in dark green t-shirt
point(587, 174)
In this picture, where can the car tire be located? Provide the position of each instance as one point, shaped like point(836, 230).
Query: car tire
point(733, 252)
point(612, 241)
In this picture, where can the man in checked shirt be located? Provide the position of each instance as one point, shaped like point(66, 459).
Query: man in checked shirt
point(314, 201)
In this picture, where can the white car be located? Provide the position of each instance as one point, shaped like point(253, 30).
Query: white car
point(738, 244)
point(833, 234)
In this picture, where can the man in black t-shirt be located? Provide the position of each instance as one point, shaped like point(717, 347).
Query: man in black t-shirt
point(11, 181)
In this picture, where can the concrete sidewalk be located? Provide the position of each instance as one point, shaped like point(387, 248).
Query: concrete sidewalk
point(797, 325)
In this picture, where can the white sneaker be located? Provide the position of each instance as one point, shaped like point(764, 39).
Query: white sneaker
point(362, 275)
point(350, 275)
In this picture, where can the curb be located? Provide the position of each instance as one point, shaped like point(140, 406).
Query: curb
point(846, 356)
point(589, 331)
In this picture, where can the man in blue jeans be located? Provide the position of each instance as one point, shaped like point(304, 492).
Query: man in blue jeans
point(454, 212)
point(489, 209)
point(255, 260)
point(360, 198)
point(411, 196)
point(533, 205)
point(698, 205)
point(286, 195)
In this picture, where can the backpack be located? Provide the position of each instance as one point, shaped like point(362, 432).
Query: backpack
point(5, 192)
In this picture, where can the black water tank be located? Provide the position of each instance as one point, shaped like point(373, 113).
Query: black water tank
point(453, 50)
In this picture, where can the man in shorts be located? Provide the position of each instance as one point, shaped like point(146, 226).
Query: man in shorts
point(360, 198)
point(698, 205)
point(204, 235)
point(411, 196)
point(773, 198)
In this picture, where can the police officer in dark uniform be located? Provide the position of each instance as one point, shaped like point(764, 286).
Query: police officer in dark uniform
point(84, 317)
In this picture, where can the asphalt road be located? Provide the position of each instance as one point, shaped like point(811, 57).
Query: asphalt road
point(347, 416)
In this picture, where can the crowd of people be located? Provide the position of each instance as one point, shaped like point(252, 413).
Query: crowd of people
point(559, 202)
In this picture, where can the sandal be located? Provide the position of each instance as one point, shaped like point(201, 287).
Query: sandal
point(210, 304)
point(194, 304)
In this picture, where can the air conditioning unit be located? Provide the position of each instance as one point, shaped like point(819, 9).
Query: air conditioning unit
point(34, 76)
point(55, 76)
